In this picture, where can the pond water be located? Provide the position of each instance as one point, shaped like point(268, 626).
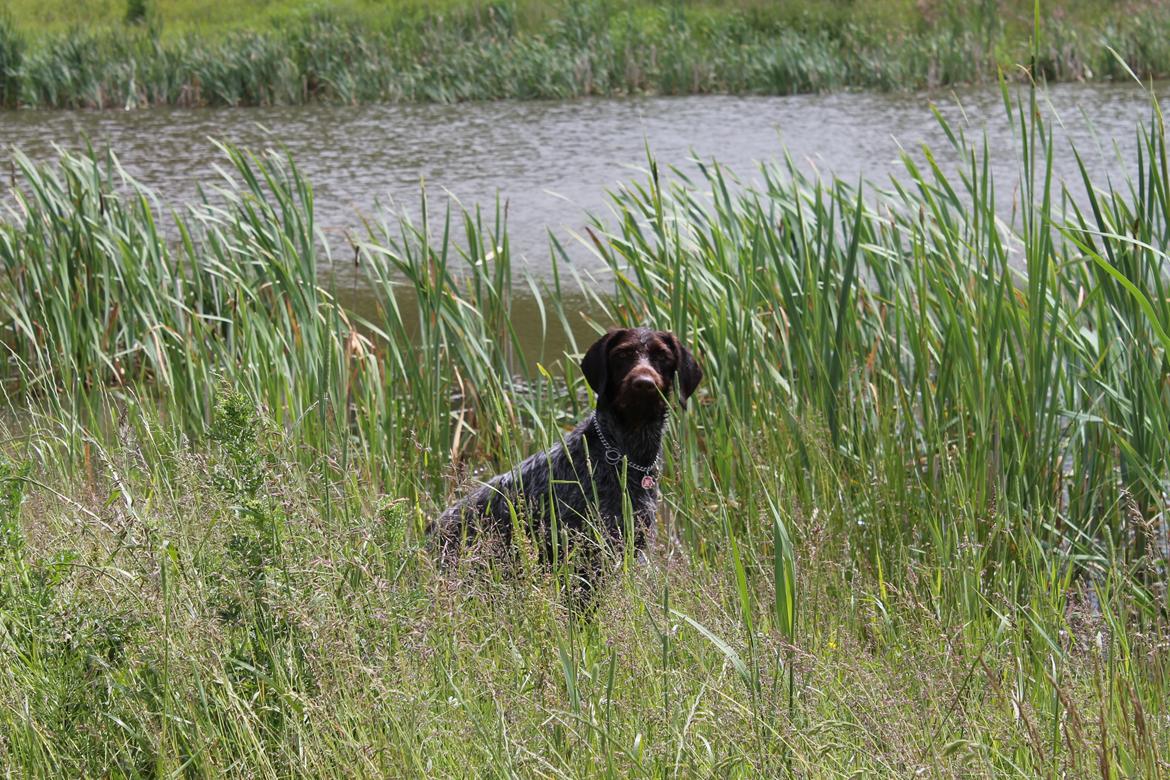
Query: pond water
point(552, 162)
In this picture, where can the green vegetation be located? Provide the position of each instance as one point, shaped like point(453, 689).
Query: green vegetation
point(914, 524)
point(128, 54)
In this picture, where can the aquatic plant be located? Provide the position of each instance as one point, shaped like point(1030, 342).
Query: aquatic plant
point(915, 521)
point(11, 57)
point(595, 48)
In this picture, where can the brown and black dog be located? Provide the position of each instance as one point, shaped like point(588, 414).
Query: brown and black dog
point(577, 489)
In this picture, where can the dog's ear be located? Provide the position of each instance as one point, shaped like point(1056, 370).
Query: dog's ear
point(688, 371)
point(595, 364)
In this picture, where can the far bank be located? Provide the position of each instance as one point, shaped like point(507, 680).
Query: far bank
point(139, 53)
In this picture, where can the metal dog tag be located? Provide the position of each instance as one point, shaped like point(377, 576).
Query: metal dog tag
point(647, 482)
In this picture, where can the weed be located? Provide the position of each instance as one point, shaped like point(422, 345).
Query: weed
point(912, 524)
point(516, 50)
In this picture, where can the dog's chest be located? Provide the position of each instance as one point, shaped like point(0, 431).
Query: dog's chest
point(613, 489)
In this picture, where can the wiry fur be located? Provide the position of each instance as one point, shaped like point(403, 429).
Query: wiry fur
point(571, 488)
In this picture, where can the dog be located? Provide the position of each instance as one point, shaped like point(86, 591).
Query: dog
point(579, 495)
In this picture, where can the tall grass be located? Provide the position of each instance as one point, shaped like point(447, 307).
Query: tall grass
point(595, 48)
point(915, 522)
point(11, 57)
point(922, 330)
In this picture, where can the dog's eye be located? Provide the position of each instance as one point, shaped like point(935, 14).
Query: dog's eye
point(661, 355)
point(623, 352)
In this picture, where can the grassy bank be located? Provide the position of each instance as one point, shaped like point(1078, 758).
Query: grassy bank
point(915, 522)
point(179, 53)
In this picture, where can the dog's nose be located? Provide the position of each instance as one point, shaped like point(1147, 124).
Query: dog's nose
point(645, 383)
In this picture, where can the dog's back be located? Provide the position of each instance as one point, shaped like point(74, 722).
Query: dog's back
point(568, 489)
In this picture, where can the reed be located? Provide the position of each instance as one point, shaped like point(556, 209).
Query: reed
point(11, 56)
point(594, 48)
point(913, 523)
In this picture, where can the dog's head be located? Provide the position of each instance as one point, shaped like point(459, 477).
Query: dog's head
point(634, 370)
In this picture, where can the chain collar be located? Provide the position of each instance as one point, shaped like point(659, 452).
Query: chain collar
point(613, 456)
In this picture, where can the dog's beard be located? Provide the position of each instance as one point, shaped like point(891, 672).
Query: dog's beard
point(636, 405)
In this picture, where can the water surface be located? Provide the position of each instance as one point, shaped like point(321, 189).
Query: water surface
point(552, 162)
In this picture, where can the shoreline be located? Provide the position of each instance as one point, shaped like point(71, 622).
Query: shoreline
point(597, 51)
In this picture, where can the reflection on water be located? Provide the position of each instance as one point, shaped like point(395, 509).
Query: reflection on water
point(551, 162)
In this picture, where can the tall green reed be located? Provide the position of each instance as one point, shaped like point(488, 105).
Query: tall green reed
point(928, 336)
point(11, 57)
point(910, 394)
point(233, 293)
point(595, 48)
point(924, 335)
